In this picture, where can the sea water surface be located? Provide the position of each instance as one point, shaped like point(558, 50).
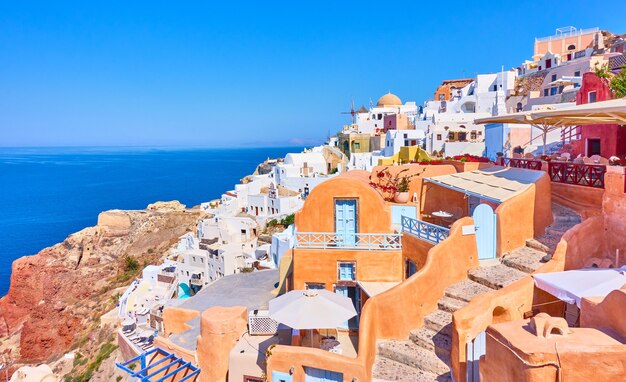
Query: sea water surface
point(48, 193)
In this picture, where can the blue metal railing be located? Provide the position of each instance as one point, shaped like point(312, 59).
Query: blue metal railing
point(423, 230)
point(332, 240)
point(183, 370)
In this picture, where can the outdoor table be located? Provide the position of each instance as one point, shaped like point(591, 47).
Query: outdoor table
point(441, 215)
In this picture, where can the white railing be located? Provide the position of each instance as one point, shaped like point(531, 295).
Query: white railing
point(574, 32)
point(260, 323)
point(423, 230)
point(332, 240)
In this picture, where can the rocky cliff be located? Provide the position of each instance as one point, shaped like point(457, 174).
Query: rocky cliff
point(57, 296)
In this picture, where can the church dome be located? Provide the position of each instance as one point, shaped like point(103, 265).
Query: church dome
point(389, 100)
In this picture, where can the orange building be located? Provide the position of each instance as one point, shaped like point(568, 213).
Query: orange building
point(444, 91)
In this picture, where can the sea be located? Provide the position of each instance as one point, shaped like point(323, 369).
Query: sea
point(48, 193)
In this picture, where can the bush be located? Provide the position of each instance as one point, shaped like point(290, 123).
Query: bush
point(130, 264)
point(288, 220)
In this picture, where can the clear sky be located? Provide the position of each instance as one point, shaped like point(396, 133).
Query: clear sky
point(185, 73)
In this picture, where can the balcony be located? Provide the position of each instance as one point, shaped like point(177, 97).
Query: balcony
point(196, 280)
point(332, 240)
point(429, 232)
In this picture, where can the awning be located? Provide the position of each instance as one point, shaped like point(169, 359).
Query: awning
point(496, 184)
point(572, 286)
point(373, 288)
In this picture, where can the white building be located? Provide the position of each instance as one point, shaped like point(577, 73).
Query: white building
point(281, 243)
point(394, 139)
point(450, 124)
point(274, 201)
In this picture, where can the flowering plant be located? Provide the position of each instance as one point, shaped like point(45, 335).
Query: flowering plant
point(617, 161)
point(546, 158)
point(390, 184)
point(471, 158)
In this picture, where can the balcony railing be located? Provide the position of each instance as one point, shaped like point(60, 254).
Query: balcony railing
point(332, 240)
point(423, 230)
point(590, 175)
point(532, 164)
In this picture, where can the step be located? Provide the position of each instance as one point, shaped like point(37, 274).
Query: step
point(386, 370)
point(495, 276)
point(450, 304)
point(539, 246)
point(466, 290)
point(410, 354)
point(568, 219)
point(556, 232)
point(525, 259)
point(440, 321)
point(431, 340)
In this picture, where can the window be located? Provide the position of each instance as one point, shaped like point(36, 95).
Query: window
point(247, 378)
point(577, 73)
point(548, 63)
point(314, 286)
point(346, 271)
point(545, 92)
point(495, 88)
point(591, 97)
point(441, 97)
point(410, 268)
point(571, 47)
point(554, 77)
point(357, 145)
point(553, 90)
point(438, 137)
point(519, 107)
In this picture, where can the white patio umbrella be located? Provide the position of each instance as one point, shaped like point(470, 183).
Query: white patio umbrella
point(572, 286)
point(311, 309)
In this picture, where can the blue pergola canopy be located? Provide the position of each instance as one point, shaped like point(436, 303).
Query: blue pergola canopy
point(157, 365)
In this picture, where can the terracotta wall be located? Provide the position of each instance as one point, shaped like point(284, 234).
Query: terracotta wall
point(586, 201)
point(174, 319)
point(524, 216)
point(317, 265)
point(318, 212)
point(170, 347)
point(537, 363)
point(614, 213)
point(220, 329)
point(393, 313)
point(607, 313)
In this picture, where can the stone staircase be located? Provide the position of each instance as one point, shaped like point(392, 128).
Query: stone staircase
point(425, 356)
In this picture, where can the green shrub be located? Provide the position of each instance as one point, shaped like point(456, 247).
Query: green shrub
point(130, 264)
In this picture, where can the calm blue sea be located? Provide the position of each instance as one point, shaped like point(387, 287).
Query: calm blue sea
point(48, 193)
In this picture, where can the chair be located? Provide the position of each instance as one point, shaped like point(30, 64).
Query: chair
point(587, 160)
point(595, 159)
point(529, 156)
point(517, 155)
point(604, 161)
point(578, 161)
point(566, 156)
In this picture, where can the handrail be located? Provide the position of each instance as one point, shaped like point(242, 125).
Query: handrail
point(532, 164)
point(590, 175)
point(333, 240)
point(424, 230)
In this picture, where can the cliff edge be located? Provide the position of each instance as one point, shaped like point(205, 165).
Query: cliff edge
point(57, 296)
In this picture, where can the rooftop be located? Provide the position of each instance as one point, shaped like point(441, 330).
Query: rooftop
point(253, 290)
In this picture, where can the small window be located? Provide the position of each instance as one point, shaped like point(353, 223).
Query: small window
point(357, 145)
point(554, 77)
point(519, 107)
point(495, 88)
point(441, 97)
point(571, 47)
point(553, 90)
point(346, 272)
point(548, 63)
point(314, 286)
point(591, 97)
point(546, 92)
point(438, 137)
point(577, 73)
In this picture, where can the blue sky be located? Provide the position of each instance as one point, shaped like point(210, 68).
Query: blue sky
point(240, 74)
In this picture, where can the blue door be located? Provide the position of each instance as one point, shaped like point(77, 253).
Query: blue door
point(343, 291)
point(278, 376)
point(485, 224)
point(345, 222)
point(319, 375)
point(475, 349)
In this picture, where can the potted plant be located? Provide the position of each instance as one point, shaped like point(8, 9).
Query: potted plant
point(402, 193)
point(394, 187)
